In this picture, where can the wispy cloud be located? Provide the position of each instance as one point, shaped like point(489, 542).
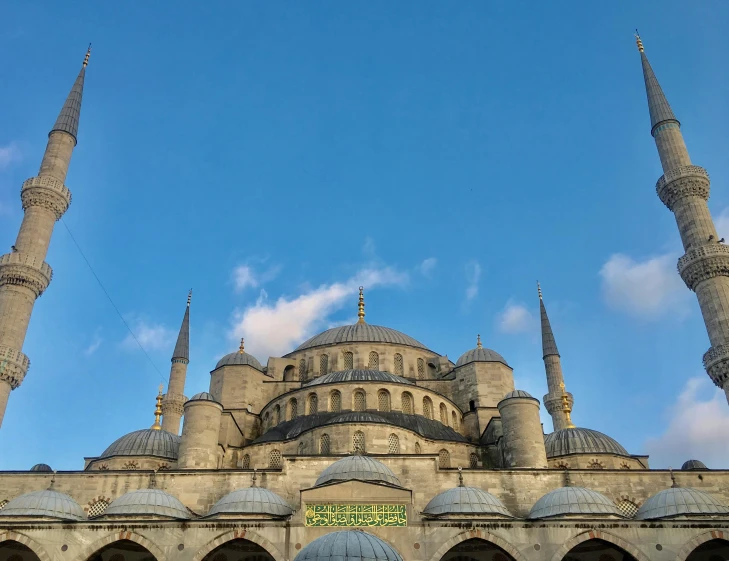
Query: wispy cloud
point(428, 266)
point(245, 276)
point(516, 318)
point(696, 422)
point(473, 275)
point(152, 336)
point(647, 289)
point(95, 344)
point(9, 154)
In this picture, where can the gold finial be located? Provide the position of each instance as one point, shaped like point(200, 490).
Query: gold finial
point(189, 298)
point(539, 290)
point(360, 306)
point(86, 58)
point(567, 408)
point(242, 348)
point(478, 342)
point(158, 410)
point(638, 41)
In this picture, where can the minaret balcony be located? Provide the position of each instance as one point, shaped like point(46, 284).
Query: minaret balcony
point(13, 366)
point(556, 402)
point(716, 363)
point(22, 269)
point(703, 263)
point(47, 192)
point(685, 181)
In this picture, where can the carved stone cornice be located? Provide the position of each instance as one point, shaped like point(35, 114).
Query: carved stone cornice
point(685, 181)
point(716, 363)
point(13, 366)
point(22, 269)
point(173, 404)
point(702, 263)
point(46, 192)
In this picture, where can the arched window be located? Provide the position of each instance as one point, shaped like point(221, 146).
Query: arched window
point(454, 420)
point(383, 400)
point(628, 507)
point(274, 459)
point(288, 373)
point(417, 448)
point(393, 444)
point(360, 401)
point(472, 405)
point(348, 361)
point(313, 404)
point(323, 364)
point(276, 415)
point(427, 408)
point(358, 442)
point(293, 408)
point(399, 367)
point(335, 401)
point(443, 414)
point(245, 462)
point(97, 508)
point(301, 448)
point(374, 363)
point(421, 369)
point(324, 445)
point(407, 403)
point(473, 460)
point(444, 459)
point(266, 420)
point(302, 370)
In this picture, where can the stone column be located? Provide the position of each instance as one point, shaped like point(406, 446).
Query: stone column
point(199, 443)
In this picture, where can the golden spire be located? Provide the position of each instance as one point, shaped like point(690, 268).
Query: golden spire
point(360, 306)
point(478, 342)
point(567, 408)
point(158, 410)
point(242, 348)
point(638, 41)
point(86, 58)
point(539, 290)
point(189, 298)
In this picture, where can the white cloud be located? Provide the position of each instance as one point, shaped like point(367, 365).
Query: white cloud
point(244, 276)
point(427, 266)
point(647, 289)
point(95, 344)
point(696, 425)
point(9, 154)
point(473, 274)
point(274, 328)
point(152, 336)
point(516, 318)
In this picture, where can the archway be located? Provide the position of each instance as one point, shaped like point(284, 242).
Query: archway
point(597, 550)
point(239, 550)
point(476, 549)
point(713, 550)
point(11, 550)
point(123, 550)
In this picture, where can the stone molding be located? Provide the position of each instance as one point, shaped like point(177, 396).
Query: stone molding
point(704, 262)
point(242, 534)
point(173, 404)
point(699, 540)
point(47, 192)
point(34, 546)
point(716, 363)
point(554, 403)
point(685, 181)
point(481, 534)
point(13, 366)
point(22, 269)
point(124, 534)
point(599, 535)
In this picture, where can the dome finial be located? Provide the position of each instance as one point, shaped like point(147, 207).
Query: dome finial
point(638, 41)
point(86, 58)
point(539, 290)
point(478, 342)
point(567, 408)
point(460, 476)
point(242, 348)
point(189, 298)
point(361, 306)
point(158, 410)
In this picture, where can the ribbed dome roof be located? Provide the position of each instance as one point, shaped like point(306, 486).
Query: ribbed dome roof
point(518, 393)
point(358, 468)
point(145, 442)
point(573, 500)
point(480, 354)
point(581, 441)
point(41, 467)
point(253, 500)
point(360, 333)
point(678, 501)
point(203, 396)
point(48, 504)
point(239, 358)
point(465, 500)
point(348, 545)
point(147, 502)
point(358, 376)
point(692, 465)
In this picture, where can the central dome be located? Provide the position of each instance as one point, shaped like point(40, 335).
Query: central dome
point(360, 333)
point(145, 442)
point(357, 376)
point(358, 468)
point(581, 441)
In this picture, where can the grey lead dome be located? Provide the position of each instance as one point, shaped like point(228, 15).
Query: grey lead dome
point(45, 504)
point(239, 359)
point(145, 442)
point(678, 501)
point(480, 355)
point(253, 500)
point(41, 467)
point(581, 441)
point(693, 465)
point(348, 545)
point(358, 376)
point(573, 500)
point(465, 500)
point(203, 396)
point(152, 502)
point(360, 333)
point(358, 468)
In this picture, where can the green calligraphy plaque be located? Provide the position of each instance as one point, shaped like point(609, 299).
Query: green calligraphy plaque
point(356, 515)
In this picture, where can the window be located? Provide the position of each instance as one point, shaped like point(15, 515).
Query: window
point(245, 463)
point(473, 460)
point(374, 363)
point(301, 448)
point(417, 448)
point(360, 402)
point(335, 401)
point(302, 370)
point(358, 442)
point(393, 444)
point(266, 420)
point(348, 361)
point(628, 508)
point(276, 415)
point(324, 444)
point(472, 405)
point(407, 403)
point(444, 459)
point(323, 364)
point(454, 420)
point(432, 370)
point(595, 464)
point(97, 507)
point(427, 408)
point(383, 400)
point(421, 369)
point(443, 414)
point(274, 459)
point(399, 368)
point(313, 404)
point(293, 409)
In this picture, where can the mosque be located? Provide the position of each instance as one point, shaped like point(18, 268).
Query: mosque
point(363, 444)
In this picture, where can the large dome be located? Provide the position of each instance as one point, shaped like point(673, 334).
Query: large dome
point(146, 442)
point(678, 501)
point(465, 500)
point(252, 500)
point(358, 376)
point(480, 354)
point(358, 468)
point(46, 504)
point(348, 545)
point(141, 502)
point(360, 333)
point(573, 500)
point(581, 441)
point(239, 358)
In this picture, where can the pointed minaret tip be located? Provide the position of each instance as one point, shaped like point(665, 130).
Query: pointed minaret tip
point(361, 306)
point(189, 298)
point(539, 290)
point(182, 346)
point(638, 41)
point(549, 345)
point(70, 114)
point(86, 58)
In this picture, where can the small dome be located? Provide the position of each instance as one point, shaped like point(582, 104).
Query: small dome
point(147, 502)
point(145, 442)
point(581, 441)
point(203, 396)
point(253, 500)
point(465, 500)
point(239, 358)
point(348, 545)
point(480, 354)
point(518, 393)
point(41, 467)
point(358, 376)
point(692, 465)
point(47, 504)
point(678, 501)
point(358, 468)
point(360, 333)
point(573, 500)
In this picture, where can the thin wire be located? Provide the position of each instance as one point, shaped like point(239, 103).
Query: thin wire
point(121, 317)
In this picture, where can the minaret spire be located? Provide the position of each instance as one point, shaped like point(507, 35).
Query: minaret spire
point(24, 274)
point(361, 306)
point(174, 399)
point(558, 400)
point(684, 189)
point(158, 410)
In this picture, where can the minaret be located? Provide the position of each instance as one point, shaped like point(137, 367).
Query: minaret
point(174, 400)
point(24, 274)
point(684, 189)
point(558, 401)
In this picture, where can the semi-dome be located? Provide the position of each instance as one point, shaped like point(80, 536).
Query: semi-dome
point(693, 465)
point(360, 333)
point(145, 442)
point(581, 441)
point(252, 500)
point(573, 500)
point(358, 376)
point(358, 468)
point(465, 500)
point(480, 354)
point(240, 358)
point(46, 504)
point(203, 396)
point(41, 467)
point(348, 545)
point(678, 501)
point(141, 502)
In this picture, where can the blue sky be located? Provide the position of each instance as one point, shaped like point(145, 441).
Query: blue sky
point(274, 155)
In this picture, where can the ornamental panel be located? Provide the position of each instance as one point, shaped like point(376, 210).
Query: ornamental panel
point(356, 515)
